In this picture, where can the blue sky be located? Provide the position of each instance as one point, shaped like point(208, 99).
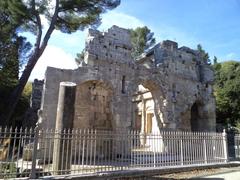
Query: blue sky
point(215, 24)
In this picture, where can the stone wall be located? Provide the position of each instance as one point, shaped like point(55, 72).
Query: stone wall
point(178, 79)
point(31, 116)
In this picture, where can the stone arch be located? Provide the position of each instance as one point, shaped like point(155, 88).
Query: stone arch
point(196, 119)
point(158, 98)
point(93, 105)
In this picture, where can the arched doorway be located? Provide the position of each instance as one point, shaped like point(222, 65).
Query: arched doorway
point(144, 110)
point(93, 106)
point(195, 117)
point(148, 117)
point(148, 101)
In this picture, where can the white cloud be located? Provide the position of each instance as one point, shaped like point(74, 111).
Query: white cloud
point(230, 56)
point(55, 57)
point(120, 19)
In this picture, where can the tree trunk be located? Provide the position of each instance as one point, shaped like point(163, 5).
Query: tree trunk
point(38, 51)
point(17, 92)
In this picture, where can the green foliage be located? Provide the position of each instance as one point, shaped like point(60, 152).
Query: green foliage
point(13, 52)
point(13, 48)
point(8, 170)
point(66, 16)
point(141, 38)
point(215, 60)
point(27, 91)
point(204, 54)
point(79, 58)
point(227, 92)
point(71, 15)
point(23, 103)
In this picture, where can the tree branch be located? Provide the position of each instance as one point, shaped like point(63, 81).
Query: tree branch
point(50, 29)
point(39, 26)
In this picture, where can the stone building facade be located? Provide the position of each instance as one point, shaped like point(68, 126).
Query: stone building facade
point(167, 87)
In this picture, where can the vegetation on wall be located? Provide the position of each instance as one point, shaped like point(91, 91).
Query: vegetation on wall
point(204, 54)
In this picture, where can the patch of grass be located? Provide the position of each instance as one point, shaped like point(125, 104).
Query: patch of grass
point(8, 170)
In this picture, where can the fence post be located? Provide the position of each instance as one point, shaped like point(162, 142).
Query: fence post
point(225, 148)
point(205, 151)
point(34, 154)
point(181, 148)
point(154, 148)
point(236, 146)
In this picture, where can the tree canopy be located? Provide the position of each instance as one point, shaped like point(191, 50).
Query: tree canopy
point(79, 58)
point(141, 38)
point(66, 16)
point(13, 48)
point(204, 54)
point(227, 92)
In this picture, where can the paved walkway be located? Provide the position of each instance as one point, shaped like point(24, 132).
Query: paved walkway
point(223, 174)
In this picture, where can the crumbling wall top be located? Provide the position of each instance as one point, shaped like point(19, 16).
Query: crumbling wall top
point(171, 45)
point(114, 45)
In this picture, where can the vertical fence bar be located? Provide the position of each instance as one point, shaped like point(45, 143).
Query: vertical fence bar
point(154, 149)
point(131, 149)
point(79, 156)
point(109, 150)
point(50, 152)
point(205, 151)
point(198, 154)
point(19, 145)
point(83, 148)
point(225, 150)
point(34, 154)
point(74, 132)
point(62, 141)
point(181, 148)
point(7, 136)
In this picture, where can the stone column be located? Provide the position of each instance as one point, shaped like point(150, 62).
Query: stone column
point(143, 123)
point(64, 120)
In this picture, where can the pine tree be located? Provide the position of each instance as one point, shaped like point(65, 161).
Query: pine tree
point(66, 16)
point(141, 38)
point(204, 54)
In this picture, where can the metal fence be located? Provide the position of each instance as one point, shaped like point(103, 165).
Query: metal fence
point(237, 146)
point(42, 152)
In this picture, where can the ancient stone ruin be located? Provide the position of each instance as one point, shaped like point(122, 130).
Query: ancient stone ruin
point(167, 87)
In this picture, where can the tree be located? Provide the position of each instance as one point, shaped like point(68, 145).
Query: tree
point(13, 48)
point(13, 51)
point(79, 59)
point(215, 60)
point(204, 54)
point(66, 16)
point(227, 92)
point(141, 38)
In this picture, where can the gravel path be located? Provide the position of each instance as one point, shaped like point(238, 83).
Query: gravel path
point(213, 174)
